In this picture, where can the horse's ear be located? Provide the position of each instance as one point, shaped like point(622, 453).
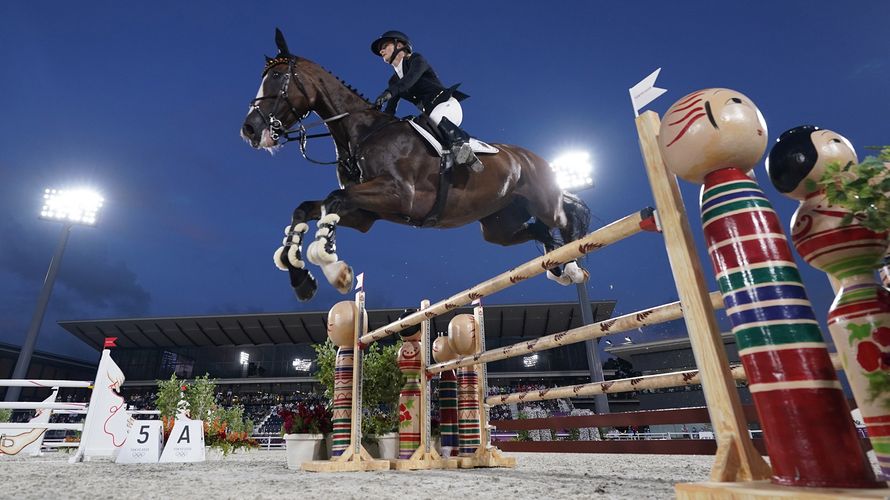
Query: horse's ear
point(279, 41)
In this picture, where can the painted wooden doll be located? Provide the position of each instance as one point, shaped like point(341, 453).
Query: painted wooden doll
point(715, 137)
point(462, 340)
point(448, 432)
point(341, 330)
point(859, 318)
point(410, 411)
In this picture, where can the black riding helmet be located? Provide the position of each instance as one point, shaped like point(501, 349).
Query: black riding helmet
point(391, 35)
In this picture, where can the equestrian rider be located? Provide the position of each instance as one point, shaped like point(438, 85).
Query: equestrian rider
point(417, 82)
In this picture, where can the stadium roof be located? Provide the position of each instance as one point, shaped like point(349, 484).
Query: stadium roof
point(517, 320)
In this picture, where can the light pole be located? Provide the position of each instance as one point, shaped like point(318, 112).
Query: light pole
point(69, 207)
point(574, 172)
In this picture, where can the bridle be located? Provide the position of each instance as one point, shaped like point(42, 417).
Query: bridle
point(273, 122)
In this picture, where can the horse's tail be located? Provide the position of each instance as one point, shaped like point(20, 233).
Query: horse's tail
point(578, 215)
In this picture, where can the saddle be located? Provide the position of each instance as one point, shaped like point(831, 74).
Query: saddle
point(430, 132)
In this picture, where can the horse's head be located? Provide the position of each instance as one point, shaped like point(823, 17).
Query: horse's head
point(281, 101)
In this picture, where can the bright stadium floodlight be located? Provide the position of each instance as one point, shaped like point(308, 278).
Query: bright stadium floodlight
point(76, 206)
point(244, 358)
point(302, 365)
point(530, 361)
point(573, 170)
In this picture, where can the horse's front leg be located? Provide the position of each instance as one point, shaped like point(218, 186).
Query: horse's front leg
point(351, 207)
point(288, 256)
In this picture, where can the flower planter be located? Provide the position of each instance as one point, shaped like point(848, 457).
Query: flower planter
point(388, 444)
point(212, 454)
point(302, 448)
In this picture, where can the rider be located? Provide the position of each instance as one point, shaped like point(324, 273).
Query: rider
point(417, 82)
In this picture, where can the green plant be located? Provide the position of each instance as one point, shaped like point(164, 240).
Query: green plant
point(862, 188)
point(5, 415)
point(381, 384)
point(199, 395)
point(168, 396)
point(325, 359)
point(523, 435)
point(227, 430)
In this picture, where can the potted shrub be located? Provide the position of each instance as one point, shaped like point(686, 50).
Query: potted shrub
point(380, 392)
point(304, 426)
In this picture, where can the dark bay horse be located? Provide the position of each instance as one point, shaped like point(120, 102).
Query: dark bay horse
point(387, 171)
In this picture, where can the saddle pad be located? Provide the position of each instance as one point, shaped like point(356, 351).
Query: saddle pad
point(477, 145)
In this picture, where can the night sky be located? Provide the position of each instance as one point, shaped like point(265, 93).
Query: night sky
point(144, 101)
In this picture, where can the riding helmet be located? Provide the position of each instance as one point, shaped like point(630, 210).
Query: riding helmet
point(391, 35)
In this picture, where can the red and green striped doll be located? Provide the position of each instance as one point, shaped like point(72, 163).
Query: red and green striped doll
point(715, 137)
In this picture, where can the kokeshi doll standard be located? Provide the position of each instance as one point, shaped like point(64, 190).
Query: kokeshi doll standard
point(715, 137)
point(341, 330)
point(448, 432)
point(410, 411)
point(462, 339)
point(859, 317)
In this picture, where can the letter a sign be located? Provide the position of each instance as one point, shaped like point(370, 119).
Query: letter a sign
point(186, 442)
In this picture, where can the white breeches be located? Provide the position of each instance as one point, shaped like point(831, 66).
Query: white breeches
point(450, 109)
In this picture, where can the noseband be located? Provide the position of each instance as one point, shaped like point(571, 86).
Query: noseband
point(276, 128)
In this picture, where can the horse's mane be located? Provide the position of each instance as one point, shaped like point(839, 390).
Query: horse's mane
point(348, 86)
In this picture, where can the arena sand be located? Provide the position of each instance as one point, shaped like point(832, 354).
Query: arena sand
point(263, 474)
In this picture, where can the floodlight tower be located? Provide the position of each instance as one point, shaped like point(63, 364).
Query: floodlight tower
point(574, 172)
point(70, 207)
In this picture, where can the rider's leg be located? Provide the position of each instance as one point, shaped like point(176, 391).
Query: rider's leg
point(448, 116)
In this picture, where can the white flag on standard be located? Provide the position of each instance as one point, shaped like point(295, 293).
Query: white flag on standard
point(359, 281)
point(645, 92)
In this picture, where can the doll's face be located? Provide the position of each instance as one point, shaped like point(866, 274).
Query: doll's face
point(710, 130)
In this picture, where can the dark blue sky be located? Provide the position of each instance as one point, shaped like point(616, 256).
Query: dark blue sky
point(144, 100)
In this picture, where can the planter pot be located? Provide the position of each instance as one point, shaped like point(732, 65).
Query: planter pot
point(370, 444)
point(389, 446)
point(328, 446)
point(302, 448)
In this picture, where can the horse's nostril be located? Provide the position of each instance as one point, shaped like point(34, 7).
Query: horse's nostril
point(247, 130)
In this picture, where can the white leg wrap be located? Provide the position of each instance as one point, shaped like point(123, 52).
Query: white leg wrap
point(316, 252)
point(291, 244)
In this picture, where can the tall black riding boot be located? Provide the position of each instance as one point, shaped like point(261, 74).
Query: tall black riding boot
point(459, 146)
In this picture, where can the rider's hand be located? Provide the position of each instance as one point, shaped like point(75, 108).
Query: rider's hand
point(385, 96)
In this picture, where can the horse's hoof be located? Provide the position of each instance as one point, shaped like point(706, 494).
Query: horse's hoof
point(576, 273)
point(316, 254)
point(306, 289)
point(563, 279)
point(339, 275)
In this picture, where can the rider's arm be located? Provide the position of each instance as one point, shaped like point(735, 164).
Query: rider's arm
point(416, 68)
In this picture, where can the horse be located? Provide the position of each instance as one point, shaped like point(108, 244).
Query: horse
point(386, 171)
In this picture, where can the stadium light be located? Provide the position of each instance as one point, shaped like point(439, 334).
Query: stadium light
point(75, 206)
point(573, 170)
point(530, 361)
point(302, 365)
point(244, 358)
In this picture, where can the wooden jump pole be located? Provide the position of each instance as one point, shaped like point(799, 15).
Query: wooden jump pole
point(616, 231)
point(660, 381)
point(737, 459)
point(645, 317)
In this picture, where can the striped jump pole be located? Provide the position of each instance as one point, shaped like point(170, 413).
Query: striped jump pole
point(806, 422)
